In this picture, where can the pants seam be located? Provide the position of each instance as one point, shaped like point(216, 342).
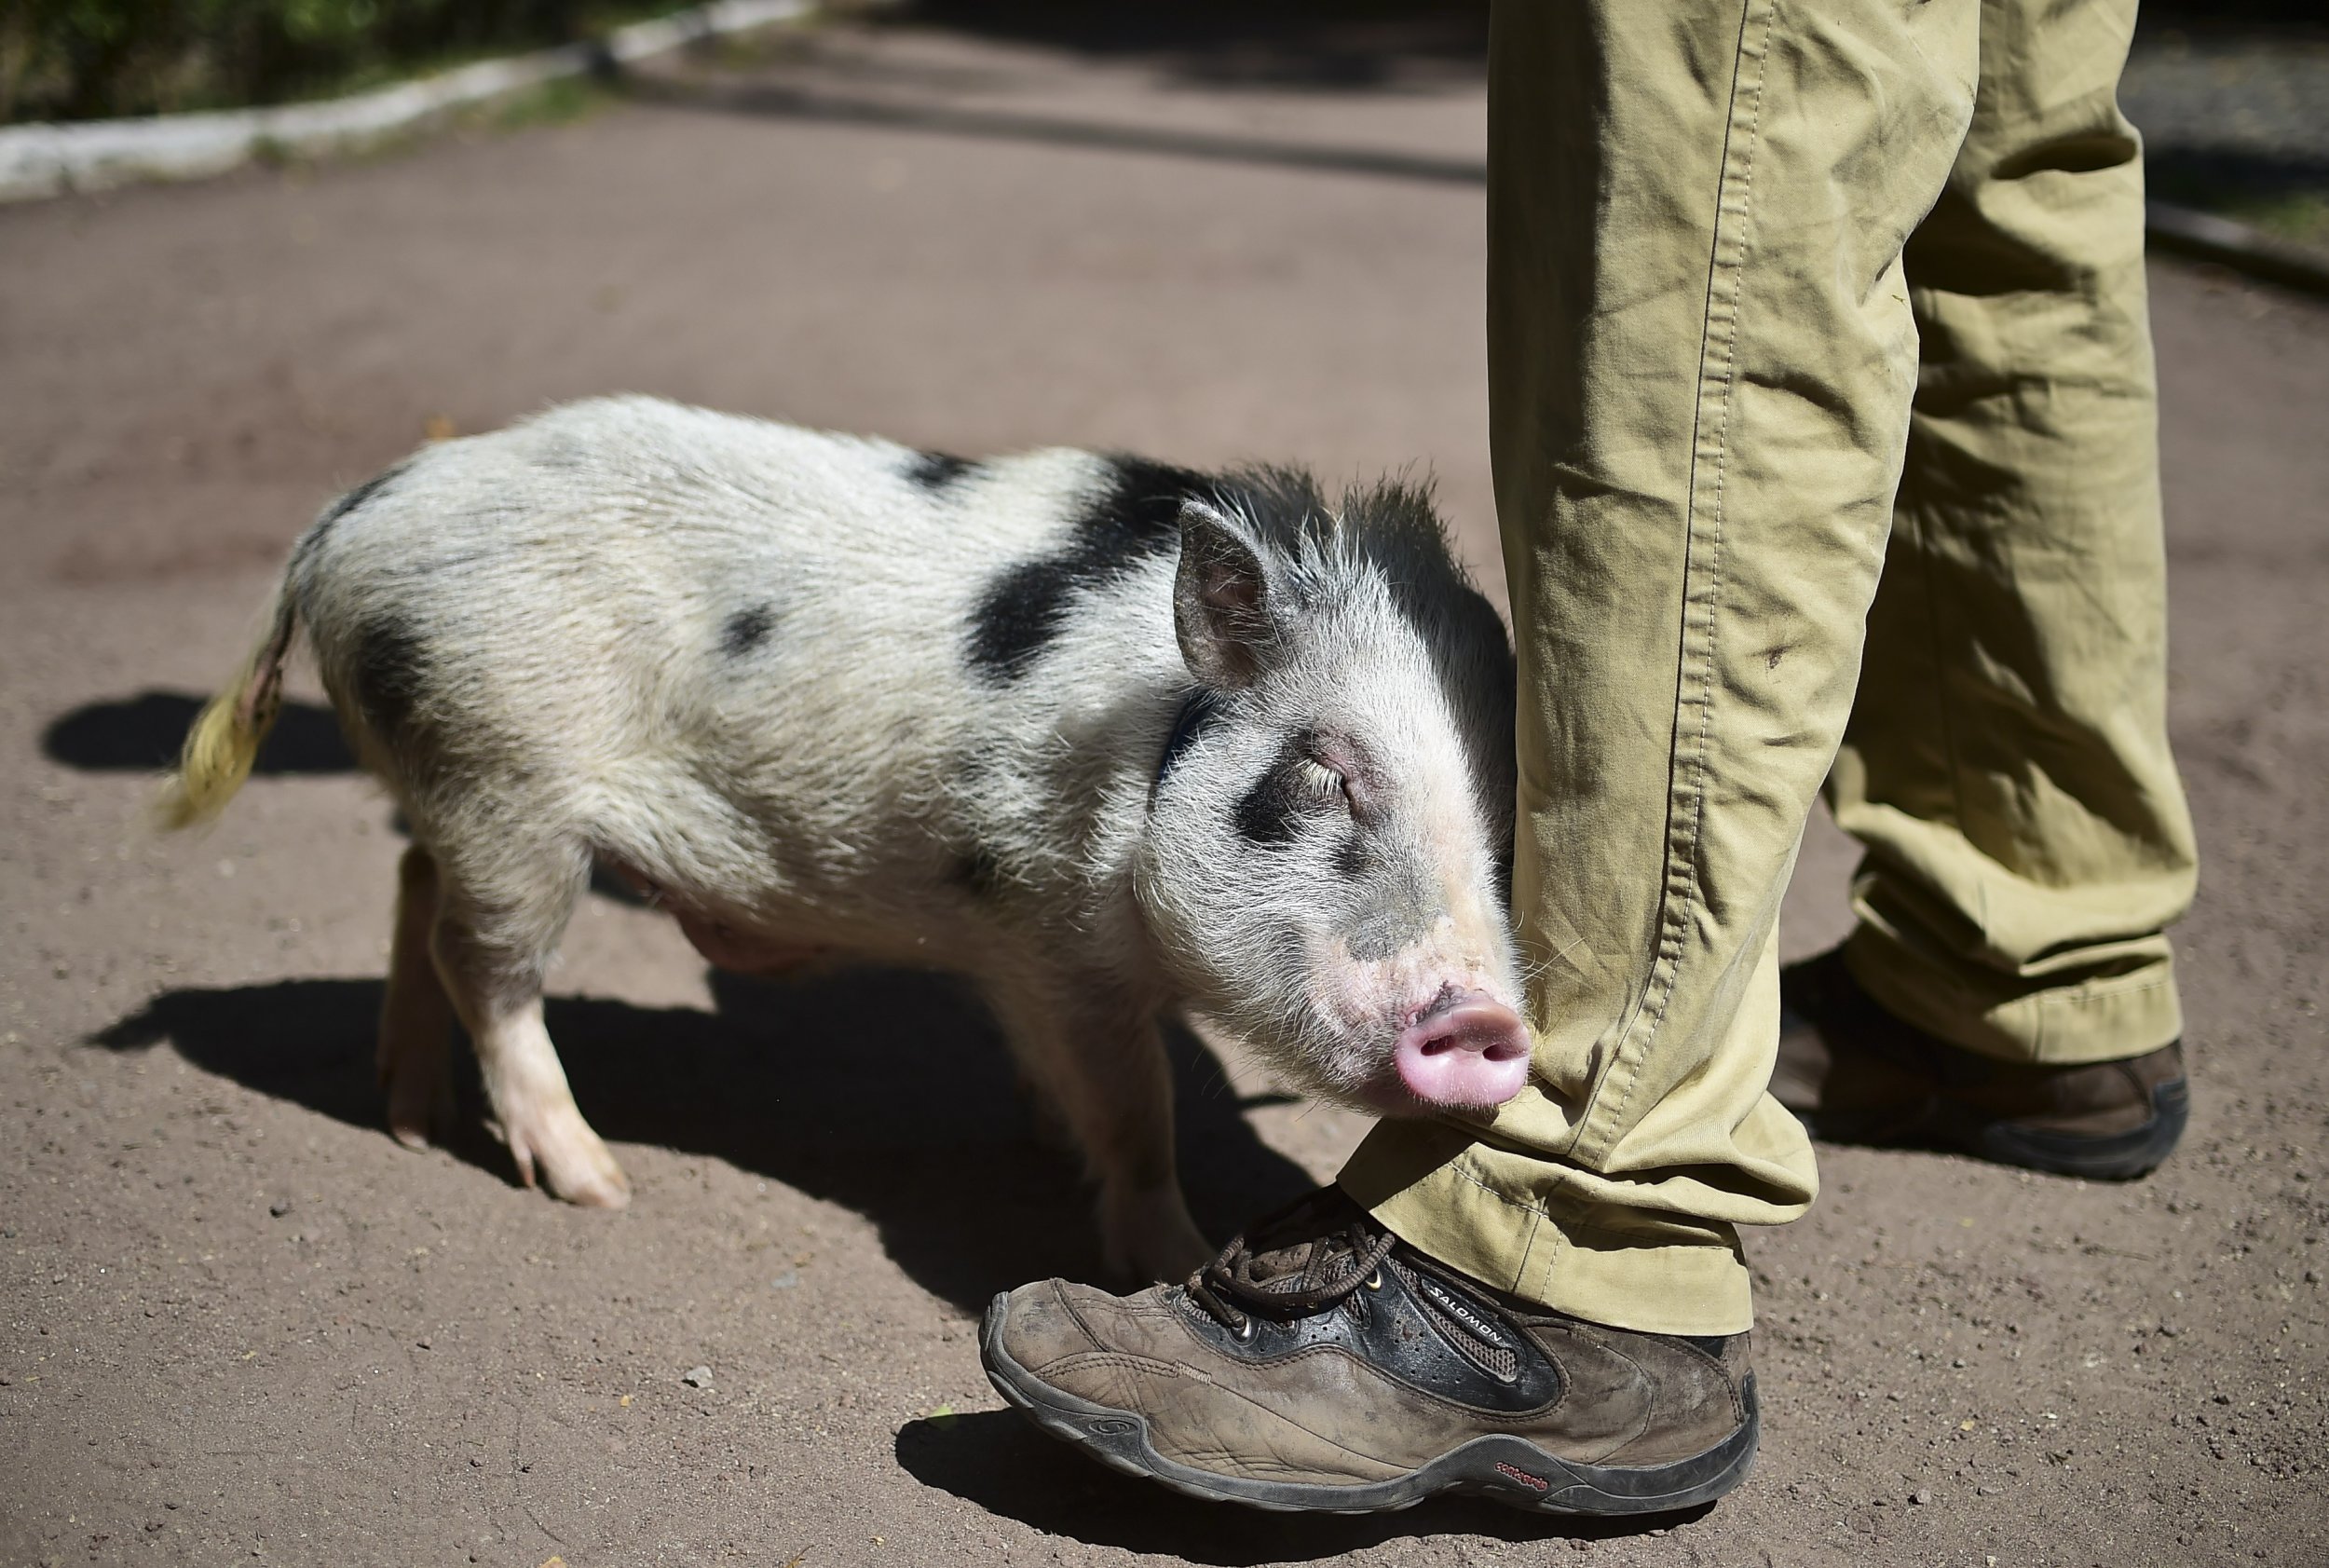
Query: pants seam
point(1681, 877)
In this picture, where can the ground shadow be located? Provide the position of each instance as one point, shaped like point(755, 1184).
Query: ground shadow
point(2225, 175)
point(1045, 129)
point(143, 733)
point(888, 1093)
point(2252, 17)
point(1320, 45)
point(997, 1459)
point(1375, 46)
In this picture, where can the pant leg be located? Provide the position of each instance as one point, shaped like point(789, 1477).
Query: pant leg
point(1701, 360)
point(2006, 763)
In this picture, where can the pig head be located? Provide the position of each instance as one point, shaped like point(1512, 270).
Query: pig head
point(1331, 825)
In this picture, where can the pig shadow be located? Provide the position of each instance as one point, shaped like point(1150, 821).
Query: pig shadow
point(888, 1093)
point(143, 733)
point(1000, 1462)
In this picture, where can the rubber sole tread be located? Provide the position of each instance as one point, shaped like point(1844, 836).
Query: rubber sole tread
point(1501, 1468)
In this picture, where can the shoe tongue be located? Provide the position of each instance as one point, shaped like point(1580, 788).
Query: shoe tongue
point(1315, 1246)
point(1300, 1265)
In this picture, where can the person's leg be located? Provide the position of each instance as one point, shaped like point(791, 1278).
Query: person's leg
point(2006, 763)
point(2009, 991)
point(1701, 358)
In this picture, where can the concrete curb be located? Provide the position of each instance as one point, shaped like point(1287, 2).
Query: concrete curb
point(49, 159)
point(2191, 232)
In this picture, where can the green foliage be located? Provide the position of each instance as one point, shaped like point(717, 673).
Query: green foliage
point(2300, 216)
point(89, 58)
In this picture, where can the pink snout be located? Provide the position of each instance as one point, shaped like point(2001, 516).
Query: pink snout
point(1471, 1054)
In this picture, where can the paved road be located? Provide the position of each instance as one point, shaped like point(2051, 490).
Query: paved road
point(236, 1323)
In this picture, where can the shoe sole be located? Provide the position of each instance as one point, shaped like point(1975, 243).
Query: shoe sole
point(1507, 1470)
point(2113, 1157)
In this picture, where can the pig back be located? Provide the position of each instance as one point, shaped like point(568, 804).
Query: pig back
point(731, 653)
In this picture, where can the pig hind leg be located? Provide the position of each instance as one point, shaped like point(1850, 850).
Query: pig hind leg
point(416, 1014)
point(498, 924)
point(1099, 1065)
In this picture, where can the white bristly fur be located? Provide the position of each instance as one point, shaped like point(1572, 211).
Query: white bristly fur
point(537, 639)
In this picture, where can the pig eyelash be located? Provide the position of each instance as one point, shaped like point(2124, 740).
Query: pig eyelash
point(1323, 781)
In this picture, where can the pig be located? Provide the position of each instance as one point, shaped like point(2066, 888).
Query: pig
point(1110, 738)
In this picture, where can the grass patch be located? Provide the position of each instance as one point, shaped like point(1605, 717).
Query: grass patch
point(2302, 216)
point(560, 102)
point(565, 102)
point(2286, 198)
point(68, 59)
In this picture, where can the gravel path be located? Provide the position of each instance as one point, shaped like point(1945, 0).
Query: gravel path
point(239, 1324)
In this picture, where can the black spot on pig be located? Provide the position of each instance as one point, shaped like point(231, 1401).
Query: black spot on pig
point(378, 484)
point(1016, 617)
point(746, 630)
point(1135, 519)
point(392, 670)
point(1350, 857)
point(935, 470)
point(1140, 514)
point(1272, 811)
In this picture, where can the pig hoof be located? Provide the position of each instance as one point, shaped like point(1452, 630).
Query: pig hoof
point(599, 1188)
point(571, 1162)
point(420, 1107)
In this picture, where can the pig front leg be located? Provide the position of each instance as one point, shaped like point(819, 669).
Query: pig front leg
point(1099, 1062)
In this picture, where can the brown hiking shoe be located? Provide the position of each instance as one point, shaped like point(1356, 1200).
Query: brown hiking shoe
point(1326, 1365)
point(1853, 1073)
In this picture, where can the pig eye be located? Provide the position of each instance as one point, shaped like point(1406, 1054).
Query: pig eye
point(1319, 779)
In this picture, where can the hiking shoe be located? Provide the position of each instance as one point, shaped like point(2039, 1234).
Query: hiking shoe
point(1853, 1073)
point(1325, 1365)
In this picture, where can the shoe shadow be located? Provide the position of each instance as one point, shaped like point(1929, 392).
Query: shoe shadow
point(1000, 1462)
point(887, 1092)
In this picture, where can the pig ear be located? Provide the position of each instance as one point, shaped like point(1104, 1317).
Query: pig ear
point(1221, 600)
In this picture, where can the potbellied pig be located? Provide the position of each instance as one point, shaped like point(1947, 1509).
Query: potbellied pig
point(1109, 738)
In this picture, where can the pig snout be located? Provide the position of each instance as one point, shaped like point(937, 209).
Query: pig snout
point(1468, 1052)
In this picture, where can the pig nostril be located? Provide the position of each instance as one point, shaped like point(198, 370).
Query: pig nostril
point(1471, 1052)
point(1473, 1025)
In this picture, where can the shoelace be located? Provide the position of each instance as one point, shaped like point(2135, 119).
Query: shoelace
point(1228, 1278)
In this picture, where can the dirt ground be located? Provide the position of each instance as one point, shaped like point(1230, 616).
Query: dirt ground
point(238, 1323)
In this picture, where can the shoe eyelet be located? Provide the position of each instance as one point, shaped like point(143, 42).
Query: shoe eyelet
point(1374, 1280)
point(1243, 1331)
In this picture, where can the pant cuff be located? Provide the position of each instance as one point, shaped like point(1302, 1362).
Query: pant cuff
point(1647, 1270)
point(2095, 1020)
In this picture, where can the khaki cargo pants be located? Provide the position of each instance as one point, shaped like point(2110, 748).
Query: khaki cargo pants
point(1824, 440)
